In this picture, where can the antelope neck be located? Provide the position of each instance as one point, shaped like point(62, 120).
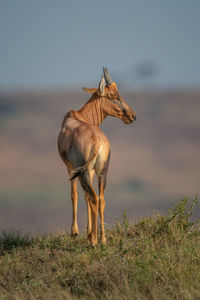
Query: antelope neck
point(92, 111)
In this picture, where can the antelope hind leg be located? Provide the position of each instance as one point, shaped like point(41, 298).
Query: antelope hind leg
point(89, 214)
point(93, 201)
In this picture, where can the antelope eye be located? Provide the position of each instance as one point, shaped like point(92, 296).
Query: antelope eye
point(118, 98)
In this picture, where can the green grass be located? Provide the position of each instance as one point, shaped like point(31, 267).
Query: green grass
point(156, 258)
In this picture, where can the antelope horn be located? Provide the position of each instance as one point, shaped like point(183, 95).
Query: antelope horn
point(107, 76)
point(102, 85)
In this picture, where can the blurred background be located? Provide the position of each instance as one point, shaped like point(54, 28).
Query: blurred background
point(48, 51)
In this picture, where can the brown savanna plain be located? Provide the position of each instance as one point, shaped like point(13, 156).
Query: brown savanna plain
point(154, 162)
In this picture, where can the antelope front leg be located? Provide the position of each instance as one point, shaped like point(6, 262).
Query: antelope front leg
point(74, 197)
point(101, 211)
point(89, 218)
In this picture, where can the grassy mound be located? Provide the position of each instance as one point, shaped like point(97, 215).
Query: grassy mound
point(157, 258)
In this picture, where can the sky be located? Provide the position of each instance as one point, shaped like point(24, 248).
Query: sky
point(48, 43)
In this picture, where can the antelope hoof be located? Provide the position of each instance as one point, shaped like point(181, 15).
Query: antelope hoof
point(74, 231)
point(93, 243)
point(89, 237)
point(74, 235)
point(103, 240)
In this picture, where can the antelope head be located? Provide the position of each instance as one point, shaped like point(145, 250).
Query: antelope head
point(112, 103)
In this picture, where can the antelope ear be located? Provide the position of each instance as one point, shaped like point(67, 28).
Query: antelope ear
point(89, 91)
point(114, 85)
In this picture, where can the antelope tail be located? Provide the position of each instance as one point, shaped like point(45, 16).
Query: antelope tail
point(77, 172)
point(80, 170)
